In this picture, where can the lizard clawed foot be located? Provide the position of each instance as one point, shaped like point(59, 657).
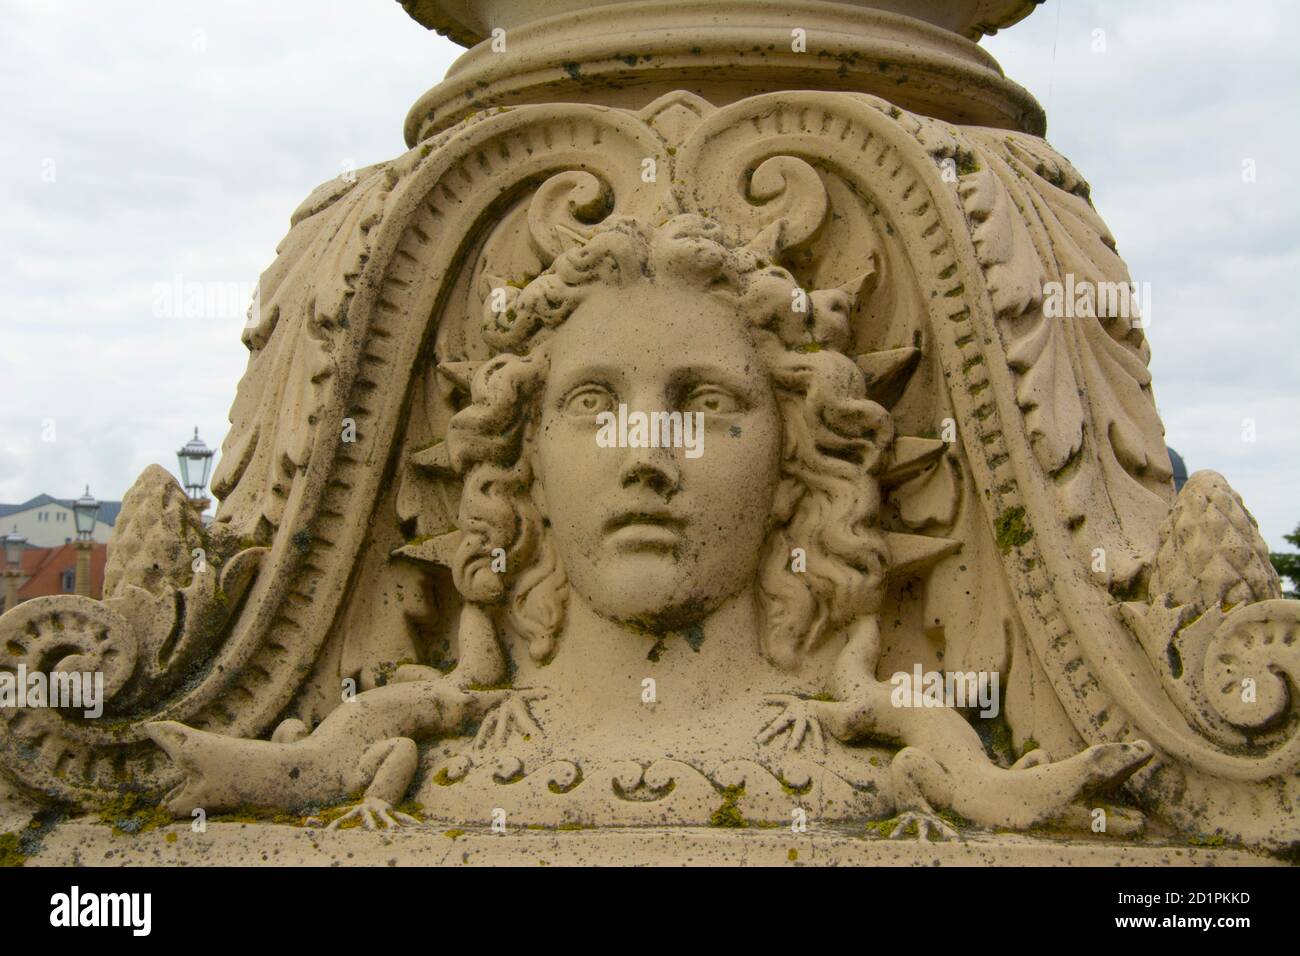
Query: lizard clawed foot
point(511, 713)
point(926, 824)
point(800, 717)
point(376, 814)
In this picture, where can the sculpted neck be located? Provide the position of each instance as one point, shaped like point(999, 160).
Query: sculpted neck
point(705, 667)
point(914, 53)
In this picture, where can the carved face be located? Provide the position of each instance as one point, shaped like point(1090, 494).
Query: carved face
point(660, 536)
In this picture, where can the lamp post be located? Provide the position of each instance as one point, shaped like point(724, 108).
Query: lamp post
point(14, 544)
point(85, 510)
point(195, 460)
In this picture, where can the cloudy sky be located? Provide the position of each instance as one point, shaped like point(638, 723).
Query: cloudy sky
point(152, 144)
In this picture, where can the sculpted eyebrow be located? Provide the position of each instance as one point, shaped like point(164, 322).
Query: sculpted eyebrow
point(703, 372)
point(599, 374)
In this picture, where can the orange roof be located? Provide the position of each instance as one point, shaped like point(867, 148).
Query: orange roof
point(43, 570)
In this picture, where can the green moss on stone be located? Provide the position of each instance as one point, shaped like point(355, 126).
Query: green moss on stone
point(729, 815)
point(246, 813)
point(441, 778)
point(131, 814)
point(1010, 530)
point(412, 808)
point(995, 734)
point(884, 828)
point(11, 855)
point(954, 819)
point(795, 791)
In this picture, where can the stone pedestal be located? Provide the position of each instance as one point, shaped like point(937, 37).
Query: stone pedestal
point(237, 844)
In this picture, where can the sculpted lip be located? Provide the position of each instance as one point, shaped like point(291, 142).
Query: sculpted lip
point(651, 517)
point(645, 528)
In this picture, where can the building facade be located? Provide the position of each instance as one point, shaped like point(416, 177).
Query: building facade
point(48, 522)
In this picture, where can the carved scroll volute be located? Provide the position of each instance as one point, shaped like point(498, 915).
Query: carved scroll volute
point(564, 209)
point(982, 246)
point(846, 187)
point(757, 183)
point(1224, 644)
point(580, 164)
point(163, 620)
point(538, 177)
point(335, 339)
point(1078, 480)
point(1259, 644)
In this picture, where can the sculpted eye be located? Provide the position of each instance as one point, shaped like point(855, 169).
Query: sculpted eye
point(588, 401)
point(711, 400)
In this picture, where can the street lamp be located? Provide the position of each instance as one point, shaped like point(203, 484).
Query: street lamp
point(14, 544)
point(85, 511)
point(196, 461)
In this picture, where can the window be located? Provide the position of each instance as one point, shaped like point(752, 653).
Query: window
point(69, 580)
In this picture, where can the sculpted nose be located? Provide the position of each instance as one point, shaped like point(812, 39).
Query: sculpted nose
point(654, 468)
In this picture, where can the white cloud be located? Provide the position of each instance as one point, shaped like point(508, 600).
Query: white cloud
point(180, 139)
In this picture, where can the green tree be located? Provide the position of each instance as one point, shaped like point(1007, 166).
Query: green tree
point(1288, 565)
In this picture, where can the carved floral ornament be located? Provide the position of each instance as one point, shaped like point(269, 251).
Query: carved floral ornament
point(906, 463)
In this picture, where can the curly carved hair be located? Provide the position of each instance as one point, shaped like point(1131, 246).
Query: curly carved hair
point(828, 498)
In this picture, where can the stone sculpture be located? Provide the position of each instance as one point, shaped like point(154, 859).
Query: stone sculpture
point(430, 579)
